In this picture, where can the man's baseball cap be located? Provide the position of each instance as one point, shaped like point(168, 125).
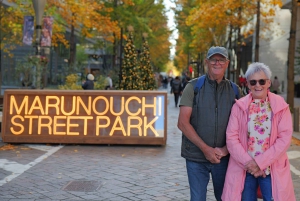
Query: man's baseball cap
point(217, 50)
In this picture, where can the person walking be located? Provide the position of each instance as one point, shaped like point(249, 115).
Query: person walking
point(89, 83)
point(176, 89)
point(203, 117)
point(109, 83)
point(165, 83)
point(185, 82)
point(258, 135)
point(275, 85)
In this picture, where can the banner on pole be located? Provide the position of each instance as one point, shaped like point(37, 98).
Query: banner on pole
point(47, 31)
point(28, 29)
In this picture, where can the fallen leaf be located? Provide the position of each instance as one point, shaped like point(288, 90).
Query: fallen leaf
point(7, 147)
point(296, 141)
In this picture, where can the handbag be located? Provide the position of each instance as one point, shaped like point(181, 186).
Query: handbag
point(259, 195)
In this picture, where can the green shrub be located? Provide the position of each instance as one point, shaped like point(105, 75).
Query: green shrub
point(99, 82)
point(73, 82)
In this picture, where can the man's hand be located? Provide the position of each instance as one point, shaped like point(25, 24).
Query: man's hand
point(210, 155)
point(221, 152)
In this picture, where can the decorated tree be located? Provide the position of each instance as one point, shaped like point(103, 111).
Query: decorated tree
point(130, 69)
point(147, 74)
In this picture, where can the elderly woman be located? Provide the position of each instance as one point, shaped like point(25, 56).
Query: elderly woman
point(258, 135)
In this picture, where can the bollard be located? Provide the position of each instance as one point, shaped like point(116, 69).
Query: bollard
point(296, 119)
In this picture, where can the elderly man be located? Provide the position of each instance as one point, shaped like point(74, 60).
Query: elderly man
point(205, 107)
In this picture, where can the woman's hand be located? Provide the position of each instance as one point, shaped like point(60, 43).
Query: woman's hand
point(252, 167)
point(260, 173)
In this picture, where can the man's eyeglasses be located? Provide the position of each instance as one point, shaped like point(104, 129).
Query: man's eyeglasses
point(261, 82)
point(214, 61)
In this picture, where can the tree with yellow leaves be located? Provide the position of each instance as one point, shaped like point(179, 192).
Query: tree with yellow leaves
point(10, 32)
point(88, 18)
point(210, 21)
point(100, 21)
point(146, 17)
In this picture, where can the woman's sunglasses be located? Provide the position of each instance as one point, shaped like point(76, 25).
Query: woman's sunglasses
point(261, 82)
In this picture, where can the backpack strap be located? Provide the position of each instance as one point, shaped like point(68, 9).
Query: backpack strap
point(200, 82)
point(235, 89)
point(198, 86)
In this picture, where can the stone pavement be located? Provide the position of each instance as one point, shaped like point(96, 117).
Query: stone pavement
point(101, 172)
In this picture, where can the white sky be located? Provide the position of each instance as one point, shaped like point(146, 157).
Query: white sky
point(171, 24)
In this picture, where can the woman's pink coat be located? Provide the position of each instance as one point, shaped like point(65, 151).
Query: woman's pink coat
point(275, 156)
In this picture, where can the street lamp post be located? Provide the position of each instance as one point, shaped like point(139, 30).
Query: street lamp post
point(39, 6)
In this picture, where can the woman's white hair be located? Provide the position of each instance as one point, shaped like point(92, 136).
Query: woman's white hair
point(257, 67)
point(90, 77)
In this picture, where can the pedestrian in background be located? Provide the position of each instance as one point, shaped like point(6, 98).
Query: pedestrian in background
point(165, 83)
point(171, 82)
point(89, 82)
point(186, 80)
point(203, 119)
point(259, 133)
point(109, 83)
point(176, 89)
point(275, 85)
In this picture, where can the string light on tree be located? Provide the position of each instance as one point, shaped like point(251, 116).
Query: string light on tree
point(147, 74)
point(129, 66)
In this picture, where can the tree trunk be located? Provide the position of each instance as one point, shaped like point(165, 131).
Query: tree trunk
point(72, 47)
point(230, 55)
point(115, 44)
point(198, 64)
point(115, 51)
point(0, 61)
point(238, 52)
point(121, 59)
point(257, 32)
point(238, 57)
point(1, 7)
point(291, 56)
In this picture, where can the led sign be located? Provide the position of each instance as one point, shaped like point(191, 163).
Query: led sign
point(95, 117)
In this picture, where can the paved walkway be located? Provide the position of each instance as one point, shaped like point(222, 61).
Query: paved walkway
point(100, 172)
